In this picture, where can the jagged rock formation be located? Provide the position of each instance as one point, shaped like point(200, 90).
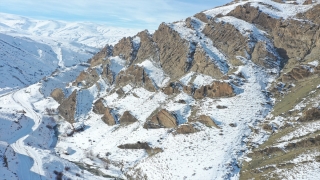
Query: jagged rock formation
point(86, 78)
point(101, 56)
point(136, 76)
point(173, 51)
point(67, 107)
point(207, 78)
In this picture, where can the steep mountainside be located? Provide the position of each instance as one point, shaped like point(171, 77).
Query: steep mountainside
point(229, 93)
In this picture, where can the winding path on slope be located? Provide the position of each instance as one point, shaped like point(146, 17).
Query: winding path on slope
point(21, 148)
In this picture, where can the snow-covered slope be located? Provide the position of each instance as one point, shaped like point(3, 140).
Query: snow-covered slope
point(194, 100)
point(32, 49)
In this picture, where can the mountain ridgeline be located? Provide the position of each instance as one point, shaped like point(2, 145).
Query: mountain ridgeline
point(222, 74)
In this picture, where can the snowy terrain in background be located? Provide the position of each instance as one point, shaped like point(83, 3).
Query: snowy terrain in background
point(31, 49)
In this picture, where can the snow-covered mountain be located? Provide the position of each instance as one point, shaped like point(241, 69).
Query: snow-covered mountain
point(229, 93)
point(32, 49)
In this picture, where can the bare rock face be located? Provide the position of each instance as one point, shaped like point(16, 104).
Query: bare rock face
point(202, 16)
point(127, 118)
point(311, 114)
point(108, 118)
point(206, 120)
point(173, 49)
point(136, 76)
point(58, 95)
point(216, 89)
point(163, 119)
point(186, 129)
point(311, 15)
point(293, 39)
point(67, 108)
point(98, 107)
point(148, 49)
point(202, 64)
point(223, 36)
point(107, 74)
point(86, 78)
point(297, 73)
point(101, 56)
point(188, 90)
point(171, 89)
point(124, 48)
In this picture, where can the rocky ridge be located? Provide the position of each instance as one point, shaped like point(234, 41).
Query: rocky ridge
point(213, 74)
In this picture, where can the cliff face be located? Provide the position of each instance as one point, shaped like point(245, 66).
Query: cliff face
point(223, 78)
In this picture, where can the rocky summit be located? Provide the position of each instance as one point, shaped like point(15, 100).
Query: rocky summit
point(229, 93)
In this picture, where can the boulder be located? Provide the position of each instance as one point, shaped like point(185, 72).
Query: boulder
point(127, 118)
point(163, 119)
point(206, 120)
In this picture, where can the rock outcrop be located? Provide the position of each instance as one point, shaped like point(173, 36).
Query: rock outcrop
point(98, 107)
point(127, 118)
point(86, 78)
point(136, 76)
point(186, 129)
point(206, 120)
point(173, 51)
point(124, 49)
point(163, 119)
point(67, 108)
point(108, 117)
point(148, 49)
point(204, 65)
point(101, 56)
point(58, 95)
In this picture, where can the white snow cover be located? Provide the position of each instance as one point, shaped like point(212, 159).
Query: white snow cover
point(155, 73)
point(31, 49)
point(274, 9)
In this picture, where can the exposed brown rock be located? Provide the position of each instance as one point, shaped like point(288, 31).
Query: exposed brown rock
point(101, 56)
point(173, 49)
point(311, 114)
point(298, 73)
point(108, 118)
point(216, 89)
point(87, 78)
point(206, 120)
point(67, 108)
point(202, 16)
point(136, 76)
point(58, 95)
point(307, 2)
point(293, 39)
point(138, 145)
point(186, 129)
point(127, 118)
point(98, 107)
point(107, 74)
point(163, 119)
point(204, 65)
point(124, 48)
point(223, 36)
point(148, 49)
point(188, 90)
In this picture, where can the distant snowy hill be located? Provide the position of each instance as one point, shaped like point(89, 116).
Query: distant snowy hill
point(32, 49)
